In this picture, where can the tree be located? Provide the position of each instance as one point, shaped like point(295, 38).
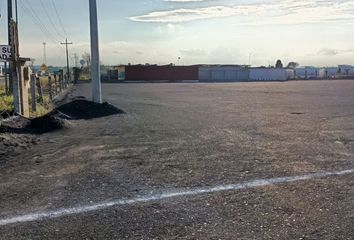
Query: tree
point(293, 65)
point(87, 58)
point(279, 64)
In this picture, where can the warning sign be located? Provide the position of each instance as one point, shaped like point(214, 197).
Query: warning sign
point(5, 53)
point(44, 67)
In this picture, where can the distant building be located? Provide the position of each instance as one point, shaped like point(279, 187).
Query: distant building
point(328, 72)
point(121, 72)
point(346, 70)
point(223, 73)
point(307, 72)
point(270, 74)
point(168, 73)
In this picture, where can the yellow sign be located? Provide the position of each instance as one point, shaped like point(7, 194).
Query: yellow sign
point(44, 67)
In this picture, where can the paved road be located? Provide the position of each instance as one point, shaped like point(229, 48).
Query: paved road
point(185, 137)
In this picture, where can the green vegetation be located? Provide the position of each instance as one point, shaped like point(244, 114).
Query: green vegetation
point(6, 105)
point(43, 107)
point(6, 102)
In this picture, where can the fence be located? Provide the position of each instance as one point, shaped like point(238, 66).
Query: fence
point(44, 89)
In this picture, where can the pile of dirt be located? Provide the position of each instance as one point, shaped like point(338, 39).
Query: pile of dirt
point(57, 119)
point(50, 122)
point(83, 109)
point(5, 114)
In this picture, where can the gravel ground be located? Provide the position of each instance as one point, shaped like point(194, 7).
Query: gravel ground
point(193, 135)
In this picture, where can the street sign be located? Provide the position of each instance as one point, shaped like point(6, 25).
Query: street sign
point(44, 67)
point(5, 53)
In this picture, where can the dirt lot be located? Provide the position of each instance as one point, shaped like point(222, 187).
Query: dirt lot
point(192, 135)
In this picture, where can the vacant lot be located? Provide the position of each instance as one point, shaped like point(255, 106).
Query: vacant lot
point(187, 136)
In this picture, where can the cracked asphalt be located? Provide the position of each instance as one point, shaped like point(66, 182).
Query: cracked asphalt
point(192, 135)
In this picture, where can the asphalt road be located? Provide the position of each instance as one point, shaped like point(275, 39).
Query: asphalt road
point(187, 136)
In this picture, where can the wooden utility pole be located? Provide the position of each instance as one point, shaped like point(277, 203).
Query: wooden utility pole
point(9, 19)
point(95, 54)
point(19, 77)
point(66, 43)
point(14, 73)
point(6, 79)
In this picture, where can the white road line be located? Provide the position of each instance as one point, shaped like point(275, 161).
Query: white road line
point(39, 216)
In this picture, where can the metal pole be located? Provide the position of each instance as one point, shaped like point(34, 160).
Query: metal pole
point(95, 64)
point(44, 53)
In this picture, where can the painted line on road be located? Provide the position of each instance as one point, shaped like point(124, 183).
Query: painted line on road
point(39, 216)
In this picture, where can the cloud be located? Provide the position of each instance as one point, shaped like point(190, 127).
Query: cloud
point(190, 14)
point(328, 52)
point(333, 52)
point(193, 52)
point(274, 12)
point(169, 28)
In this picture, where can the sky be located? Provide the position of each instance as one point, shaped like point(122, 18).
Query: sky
point(310, 32)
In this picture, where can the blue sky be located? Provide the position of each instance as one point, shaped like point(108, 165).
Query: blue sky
point(311, 32)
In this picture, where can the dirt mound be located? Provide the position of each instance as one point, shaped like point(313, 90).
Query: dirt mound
point(6, 114)
point(83, 109)
point(57, 119)
point(47, 123)
point(76, 110)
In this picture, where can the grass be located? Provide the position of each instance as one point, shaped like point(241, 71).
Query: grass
point(6, 102)
point(42, 107)
point(7, 107)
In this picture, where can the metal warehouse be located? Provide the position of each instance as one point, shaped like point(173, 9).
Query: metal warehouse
point(271, 74)
point(160, 73)
point(223, 73)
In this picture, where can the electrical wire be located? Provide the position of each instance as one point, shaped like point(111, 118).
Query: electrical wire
point(59, 18)
point(28, 8)
point(37, 21)
point(50, 20)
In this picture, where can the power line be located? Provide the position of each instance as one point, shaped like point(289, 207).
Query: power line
point(41, 26)
point(28, 8)
point(50, 19)
point(59, 18)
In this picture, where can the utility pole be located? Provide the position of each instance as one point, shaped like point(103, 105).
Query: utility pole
point(17, 77)
point(95, 54)
point(16, 85)
point(44, 53)
point(9, 19)
point(6, 79)
point(67, 58)
point(76, 59)
point(16, 11)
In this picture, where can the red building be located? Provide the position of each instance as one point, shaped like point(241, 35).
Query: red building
point(160, 73)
